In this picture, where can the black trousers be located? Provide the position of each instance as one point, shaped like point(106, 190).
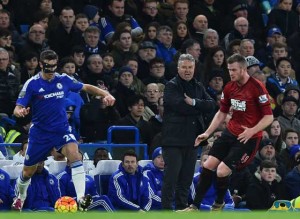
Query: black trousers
point(178, 175)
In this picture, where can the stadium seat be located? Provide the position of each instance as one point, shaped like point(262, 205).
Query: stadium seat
point(13, 171)
point(143, 163)
point(103, 172)
point(5, 163)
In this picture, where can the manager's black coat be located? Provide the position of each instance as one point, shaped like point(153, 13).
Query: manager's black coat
point(182, 123)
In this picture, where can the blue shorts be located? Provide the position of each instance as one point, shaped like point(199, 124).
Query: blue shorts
point(41, 143)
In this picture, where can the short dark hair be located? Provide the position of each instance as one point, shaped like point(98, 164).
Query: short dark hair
point(65, 60)
point(237, 58)
point(267, 164)
point(48, 55)
point(130, 153)
point(283, 59)
point(156, 60)
point(188, 44)
point(289, 130)
point(132, 100)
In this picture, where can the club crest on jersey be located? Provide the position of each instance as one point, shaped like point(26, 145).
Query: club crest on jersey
point(239, 105)
point(59, 86)
point(263, 98)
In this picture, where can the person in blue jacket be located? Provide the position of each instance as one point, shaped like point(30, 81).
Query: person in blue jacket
point(6, 191)
point(128, 188)
point(211, 194)
point(42, 192)
point(100, 202)
point(154, 171)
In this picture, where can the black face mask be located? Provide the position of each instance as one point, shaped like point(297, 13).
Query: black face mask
point(49, 69)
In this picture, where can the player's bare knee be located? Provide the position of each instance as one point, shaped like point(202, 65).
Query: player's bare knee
point(223, 170)
point(28, 171)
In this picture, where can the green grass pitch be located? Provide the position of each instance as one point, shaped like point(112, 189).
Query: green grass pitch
point(154, 215)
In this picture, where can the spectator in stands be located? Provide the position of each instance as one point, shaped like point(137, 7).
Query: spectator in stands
point(207, 9)
point(149, 13)
point(185, 103)
point(215, 59)
point(101, 154)
point(30, 66)
point(78, 55)
point(152, 96)
point(92, 43)
point(265, 188)
point(181, 10)
point(6, 192)
point(275, 134)
point(165, 49)
point(210, 41)
point(241, 31)
point(92, 12)
point(291, 138)
point(247, 47)
point(154, 171)
point(129, 189)
point(157, 72)
point(211, 194)
point(181, 34)
point(42, 19)
point(35, 41)
point(279, 50)
point(6, 23)
point(274, 35)
point(200, 25)
point(215, 83)
point(114, 16)
point(46, 6)
point(150, 31)
point(292, 179)
point(136, 107)
point(81, 22)
point(124, 90)
point(252, 64)
point(267, 152)
point(9, 84)
point(147, 51)
point(67, 188)
point(284, 17)
point(5, 38)
point(123, 47)
point(43, 190)
point(281, 79)
point(108, 65)
point(94, 74)
point(137, 84)
point(64, 36)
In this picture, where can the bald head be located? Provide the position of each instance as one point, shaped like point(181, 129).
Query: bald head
point(37, 33)
point(200, 23)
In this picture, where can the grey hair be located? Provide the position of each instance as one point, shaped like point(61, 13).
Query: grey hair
point(2, 50)
point(186, 57)
point(209, 30)
point(93, 56)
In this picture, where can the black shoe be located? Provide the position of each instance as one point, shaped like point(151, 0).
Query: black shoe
point(85, 202)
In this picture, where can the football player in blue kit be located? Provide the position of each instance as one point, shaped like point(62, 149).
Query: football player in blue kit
point(45, 94)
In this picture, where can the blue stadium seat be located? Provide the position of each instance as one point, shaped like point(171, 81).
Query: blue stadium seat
point(103, 172)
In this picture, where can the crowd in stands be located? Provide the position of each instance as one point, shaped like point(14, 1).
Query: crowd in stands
point(131, 49)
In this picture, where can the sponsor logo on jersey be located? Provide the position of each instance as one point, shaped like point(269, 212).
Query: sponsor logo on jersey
point(222, 96)
point(59, 86)
point(58, 95)
point(263, 98)
point(239, 105)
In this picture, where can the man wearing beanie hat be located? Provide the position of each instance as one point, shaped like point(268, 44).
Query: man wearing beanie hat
point(287, 119)
point(252, 65)
point(292, 180)
point(92, 12)
point(267, 152)
point(155, 173)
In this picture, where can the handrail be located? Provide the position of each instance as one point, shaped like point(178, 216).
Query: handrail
point(115, 127)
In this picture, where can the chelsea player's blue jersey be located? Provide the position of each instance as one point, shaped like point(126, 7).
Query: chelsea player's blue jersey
point(47, 100)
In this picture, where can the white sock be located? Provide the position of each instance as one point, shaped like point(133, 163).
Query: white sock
point(78, 177)
point(22, 186)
